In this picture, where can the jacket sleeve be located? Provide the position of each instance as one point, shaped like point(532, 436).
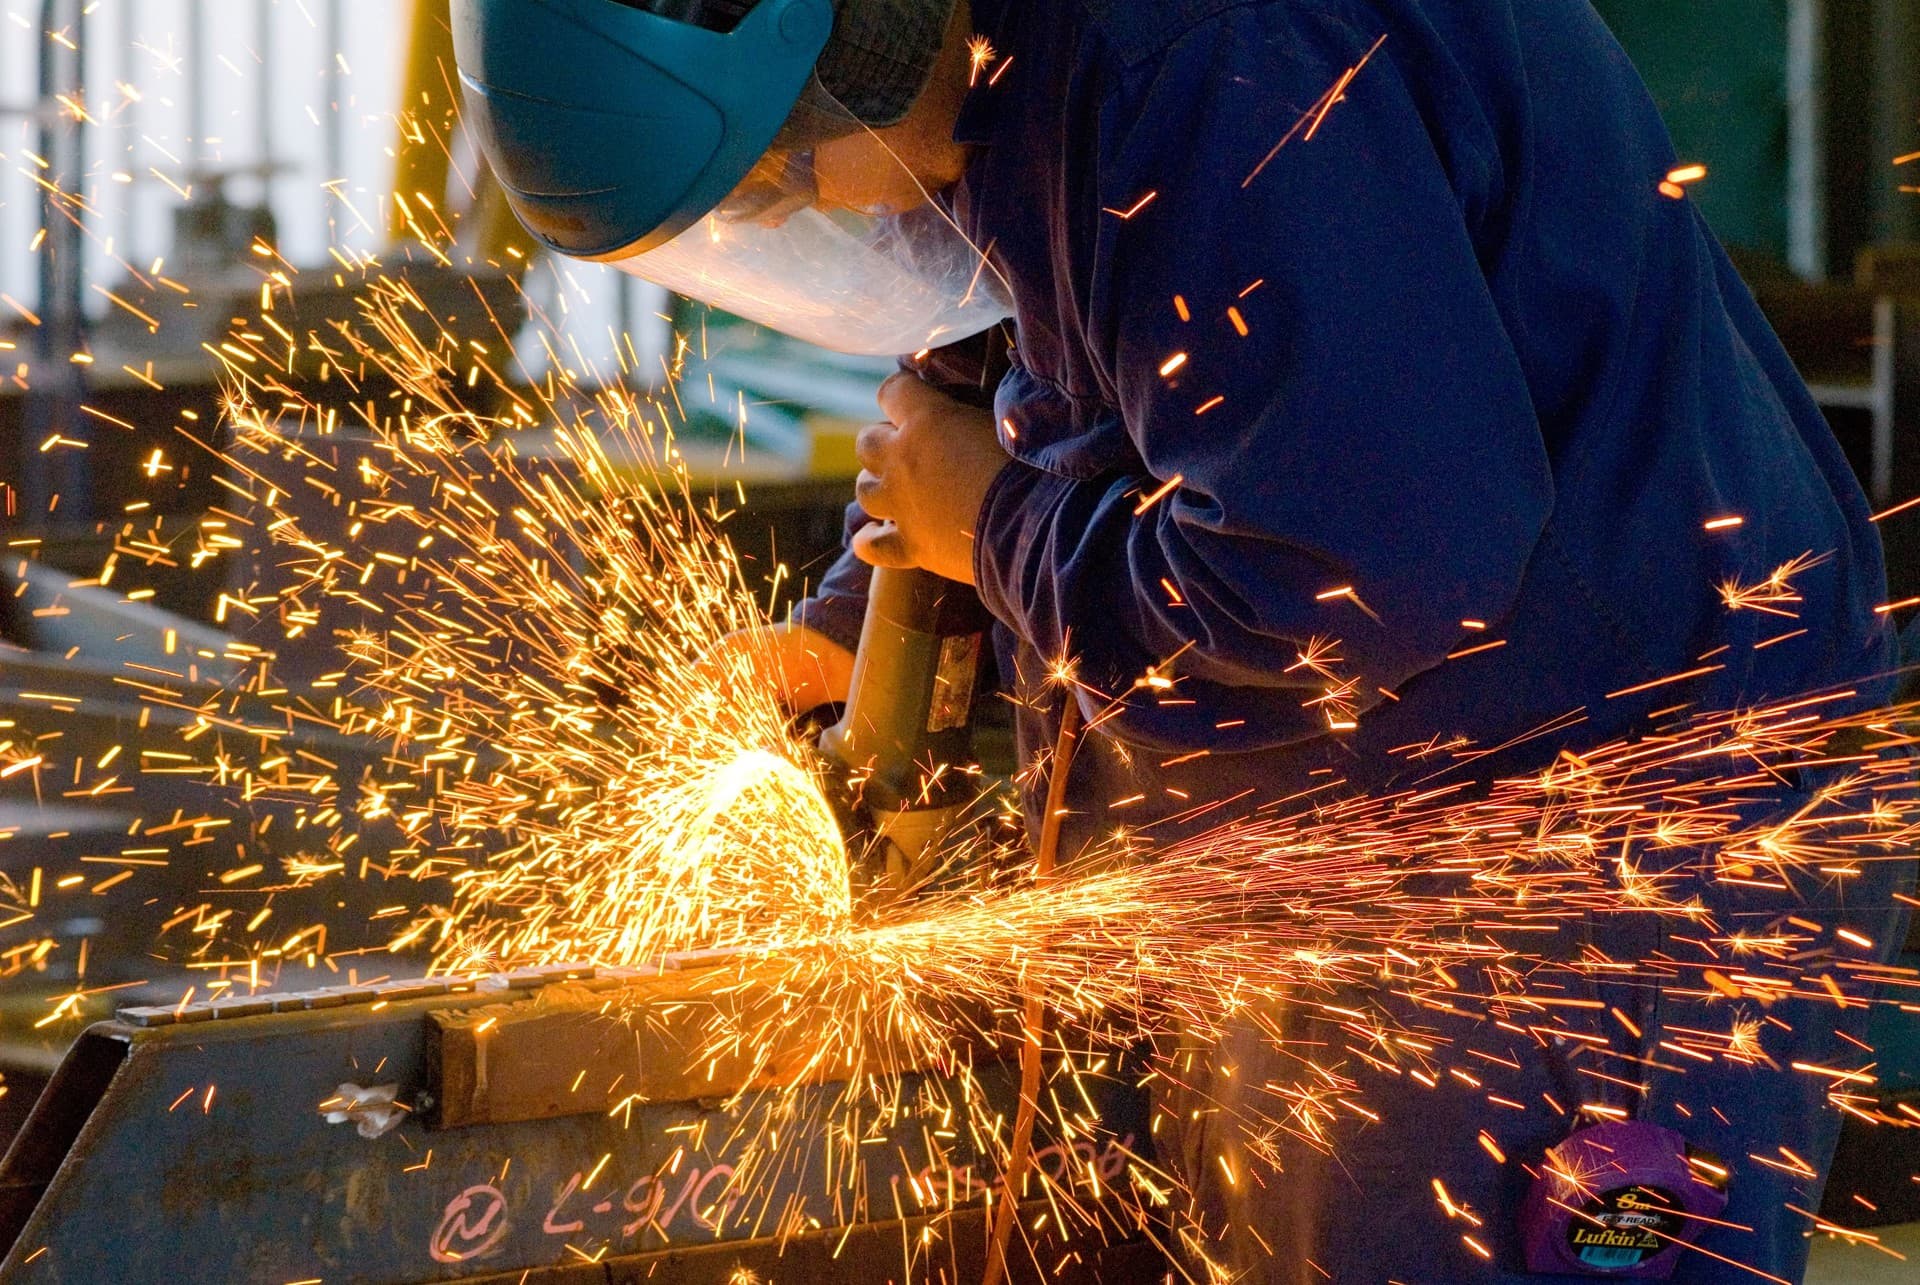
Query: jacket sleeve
point(838, 607)
point(1339, 457)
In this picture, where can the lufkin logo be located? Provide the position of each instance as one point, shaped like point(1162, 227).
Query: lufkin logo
point(1624, 1227)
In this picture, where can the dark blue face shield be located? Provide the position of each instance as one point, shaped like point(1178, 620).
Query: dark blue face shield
point(682, 153)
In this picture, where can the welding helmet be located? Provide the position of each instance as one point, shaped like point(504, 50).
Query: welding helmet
point(674, 139)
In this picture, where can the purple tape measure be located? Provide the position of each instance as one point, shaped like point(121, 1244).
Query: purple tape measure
point(1620, 1199)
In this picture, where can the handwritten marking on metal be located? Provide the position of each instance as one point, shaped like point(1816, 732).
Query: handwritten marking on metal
point(473, 1225)
point(646, 1199)
point(476, 1220)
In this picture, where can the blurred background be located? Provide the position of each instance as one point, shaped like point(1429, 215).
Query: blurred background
point(176, 174)
point(173, 170)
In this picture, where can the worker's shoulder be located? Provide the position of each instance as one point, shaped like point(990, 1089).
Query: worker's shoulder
point(1136, 31)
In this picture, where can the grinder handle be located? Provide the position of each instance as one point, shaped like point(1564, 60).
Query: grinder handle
point(921, 642)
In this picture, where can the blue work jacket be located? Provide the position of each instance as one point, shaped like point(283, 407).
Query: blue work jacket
point(1364, 330)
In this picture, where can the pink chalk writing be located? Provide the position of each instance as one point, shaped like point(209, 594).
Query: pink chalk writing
point(473, 1225)
point(476, 1221)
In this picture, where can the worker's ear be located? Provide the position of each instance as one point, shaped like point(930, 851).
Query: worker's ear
point(881, 544)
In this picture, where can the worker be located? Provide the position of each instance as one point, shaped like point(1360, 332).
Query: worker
point(1381, 332)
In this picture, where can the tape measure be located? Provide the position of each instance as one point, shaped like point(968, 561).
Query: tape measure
point(1622, 1198)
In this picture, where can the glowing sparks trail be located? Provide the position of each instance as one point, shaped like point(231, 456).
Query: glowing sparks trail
point(526, 601)
point(528, 624)
point(527, 618)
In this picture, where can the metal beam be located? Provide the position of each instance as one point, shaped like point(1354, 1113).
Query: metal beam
point(195, 1144)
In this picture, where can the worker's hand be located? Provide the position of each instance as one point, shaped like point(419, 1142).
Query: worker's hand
point(923, 478)
point(804, 668)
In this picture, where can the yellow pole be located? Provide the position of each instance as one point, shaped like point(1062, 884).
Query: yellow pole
point(496, 228)
point(428, 114)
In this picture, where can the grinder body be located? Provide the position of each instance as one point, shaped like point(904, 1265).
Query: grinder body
point(906, 736)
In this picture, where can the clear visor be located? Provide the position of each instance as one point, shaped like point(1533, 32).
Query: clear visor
point(871, 272)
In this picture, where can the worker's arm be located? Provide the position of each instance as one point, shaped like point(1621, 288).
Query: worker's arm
point(804, 668)
point(808, 660)
point(1371, 431)
point(838, 605)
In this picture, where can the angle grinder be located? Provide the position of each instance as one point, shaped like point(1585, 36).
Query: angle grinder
point(904, 743)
